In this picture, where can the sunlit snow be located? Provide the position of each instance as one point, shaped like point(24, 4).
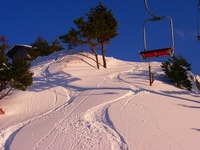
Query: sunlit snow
point(74, 106)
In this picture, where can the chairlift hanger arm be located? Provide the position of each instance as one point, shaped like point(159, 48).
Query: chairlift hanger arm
point(154, 17)
point(147, 8)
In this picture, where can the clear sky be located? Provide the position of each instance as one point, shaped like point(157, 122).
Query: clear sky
point(24, 20)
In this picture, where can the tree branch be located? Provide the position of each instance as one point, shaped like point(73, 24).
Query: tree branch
point(4, 95)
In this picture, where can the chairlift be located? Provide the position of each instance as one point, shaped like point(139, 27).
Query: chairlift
point(159, 52)
point(198, 23)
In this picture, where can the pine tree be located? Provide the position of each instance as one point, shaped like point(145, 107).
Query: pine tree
point(13, 75)
point(72, 38)
point(41, 46)
point(21, 77)
point(4, 66)
point(55, 46)
point(176, 70)
point(103, 26)
point(87, 36)
point(80, 37)
point(98, 28)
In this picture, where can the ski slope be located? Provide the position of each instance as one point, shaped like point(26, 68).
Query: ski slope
point(74, 106)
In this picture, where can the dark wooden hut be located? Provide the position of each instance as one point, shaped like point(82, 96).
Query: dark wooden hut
point(19, 51)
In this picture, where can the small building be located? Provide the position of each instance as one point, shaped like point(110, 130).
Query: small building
point(19, 51)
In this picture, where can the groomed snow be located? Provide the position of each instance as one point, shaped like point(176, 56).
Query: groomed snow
point(74, 106)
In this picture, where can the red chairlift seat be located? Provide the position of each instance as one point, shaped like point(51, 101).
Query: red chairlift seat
point(157, 53)
point(198, 37)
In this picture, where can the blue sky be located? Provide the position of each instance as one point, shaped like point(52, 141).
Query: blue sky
point(23, 21)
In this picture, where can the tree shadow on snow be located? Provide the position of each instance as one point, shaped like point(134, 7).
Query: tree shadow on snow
point(63, 79)
point(49, 81)
point(90, 58)
point(187, 106)
point(172, 95)
point(143, 75)
point(196, 129)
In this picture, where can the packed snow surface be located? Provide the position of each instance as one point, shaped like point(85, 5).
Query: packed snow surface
point(74, 106)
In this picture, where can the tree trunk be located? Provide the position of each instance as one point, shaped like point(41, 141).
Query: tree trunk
point(103, 54)
point(96, 55)
point(97, 60)
point(5, 94)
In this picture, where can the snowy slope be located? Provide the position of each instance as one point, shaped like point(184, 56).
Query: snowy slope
point(73, 106)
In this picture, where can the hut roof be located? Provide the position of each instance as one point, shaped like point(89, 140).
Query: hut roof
point(16, 48)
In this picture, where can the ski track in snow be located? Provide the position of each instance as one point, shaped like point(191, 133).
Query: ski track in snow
point(62, 120)
point(94, 125)
point(105, 125)
point(143, 117)
point(7, 134)
point(99, 117)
